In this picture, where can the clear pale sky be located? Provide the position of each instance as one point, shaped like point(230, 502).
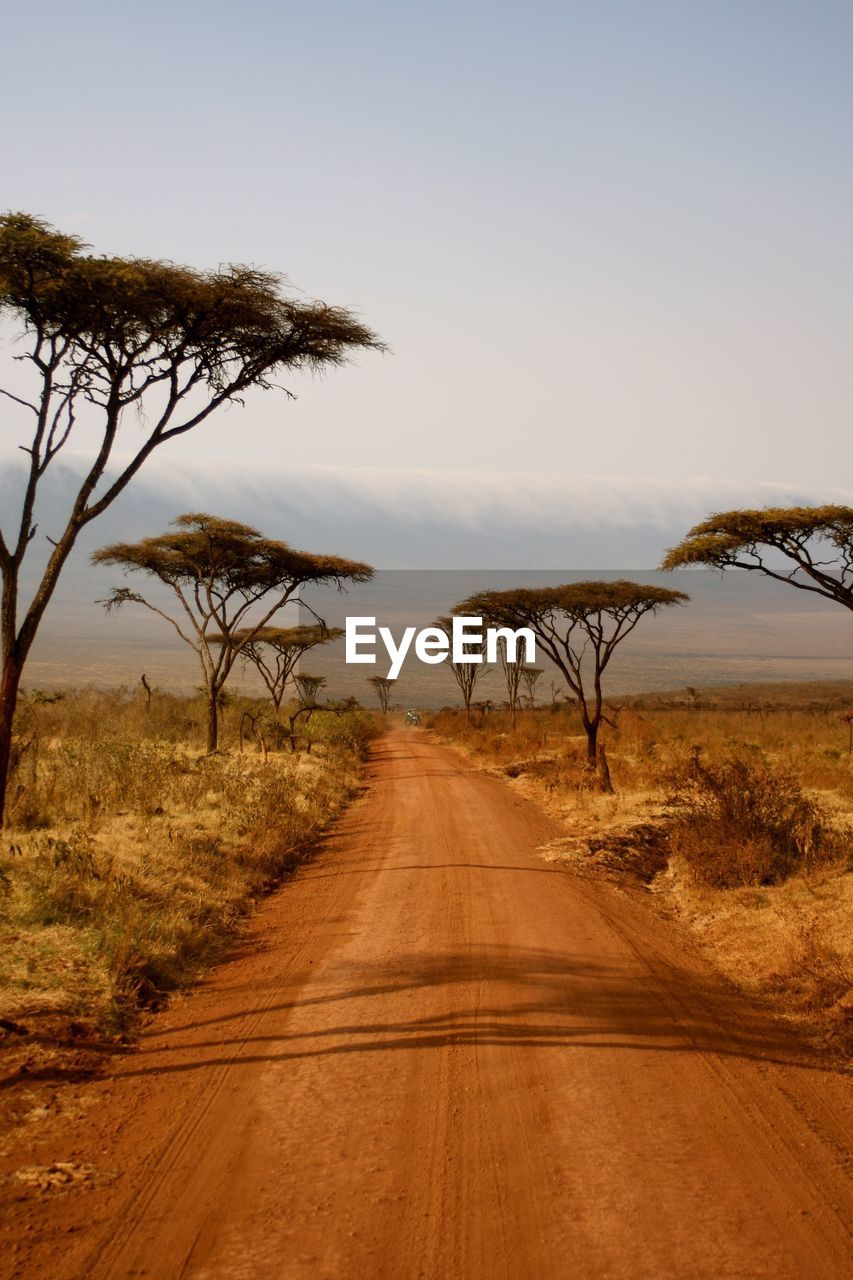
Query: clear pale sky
point(599, 237)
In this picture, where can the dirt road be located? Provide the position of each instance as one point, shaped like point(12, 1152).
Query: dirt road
point(441, 1056)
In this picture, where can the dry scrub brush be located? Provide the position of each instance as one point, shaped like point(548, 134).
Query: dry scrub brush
point(743, 821)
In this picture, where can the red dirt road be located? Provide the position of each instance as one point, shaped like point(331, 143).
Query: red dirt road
point(440, 1056)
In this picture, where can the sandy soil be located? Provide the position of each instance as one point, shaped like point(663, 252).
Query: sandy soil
point(438, 1055)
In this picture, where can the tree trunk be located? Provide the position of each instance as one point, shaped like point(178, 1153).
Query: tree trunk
point(212, 720)
point(591, 728)
point(9, 683)
point(604, 781)
point(16, 647)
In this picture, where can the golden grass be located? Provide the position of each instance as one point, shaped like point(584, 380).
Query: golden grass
point(790, 942)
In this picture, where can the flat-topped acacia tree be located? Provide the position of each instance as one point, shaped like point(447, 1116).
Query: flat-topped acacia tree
point(578, 626)
point(133, 352)
point(531, 677)
point(308, 686)
point(275, 651)
point(229, 582)
point(813, 547)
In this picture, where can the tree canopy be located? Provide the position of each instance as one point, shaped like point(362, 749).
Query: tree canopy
point(815, 542)
point(541, 607)
point(229, 561)
point(173, 341)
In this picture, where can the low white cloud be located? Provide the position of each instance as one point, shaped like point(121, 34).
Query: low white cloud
point(422, 516)
point(475, 499)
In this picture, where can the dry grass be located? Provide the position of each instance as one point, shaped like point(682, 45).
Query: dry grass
point(649, 738)
point(789, 942)
point(735, 805)
point(130, 858)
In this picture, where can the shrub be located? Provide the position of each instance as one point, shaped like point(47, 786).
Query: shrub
point(350, 730)
point(745, 822)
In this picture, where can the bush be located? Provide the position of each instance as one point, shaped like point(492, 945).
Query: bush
point(743, 822)
point(349, 730)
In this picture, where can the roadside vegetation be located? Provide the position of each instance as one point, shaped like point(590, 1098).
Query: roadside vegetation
point(131, 855)
point(734, 806)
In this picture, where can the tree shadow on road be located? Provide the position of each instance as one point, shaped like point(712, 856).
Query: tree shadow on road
point(486, 996)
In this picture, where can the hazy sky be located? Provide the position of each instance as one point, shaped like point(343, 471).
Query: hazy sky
point(599, 237)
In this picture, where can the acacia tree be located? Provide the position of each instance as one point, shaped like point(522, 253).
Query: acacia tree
point(512, 673)
point(578, 626)
point(383, 688)
point(221, 572)
point(531, 677)
point(308, 687)
point(275, 651)
point(106, 344)
point(466, 674)
point(816, 543)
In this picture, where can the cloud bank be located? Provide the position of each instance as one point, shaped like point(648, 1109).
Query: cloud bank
point(421, 517)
